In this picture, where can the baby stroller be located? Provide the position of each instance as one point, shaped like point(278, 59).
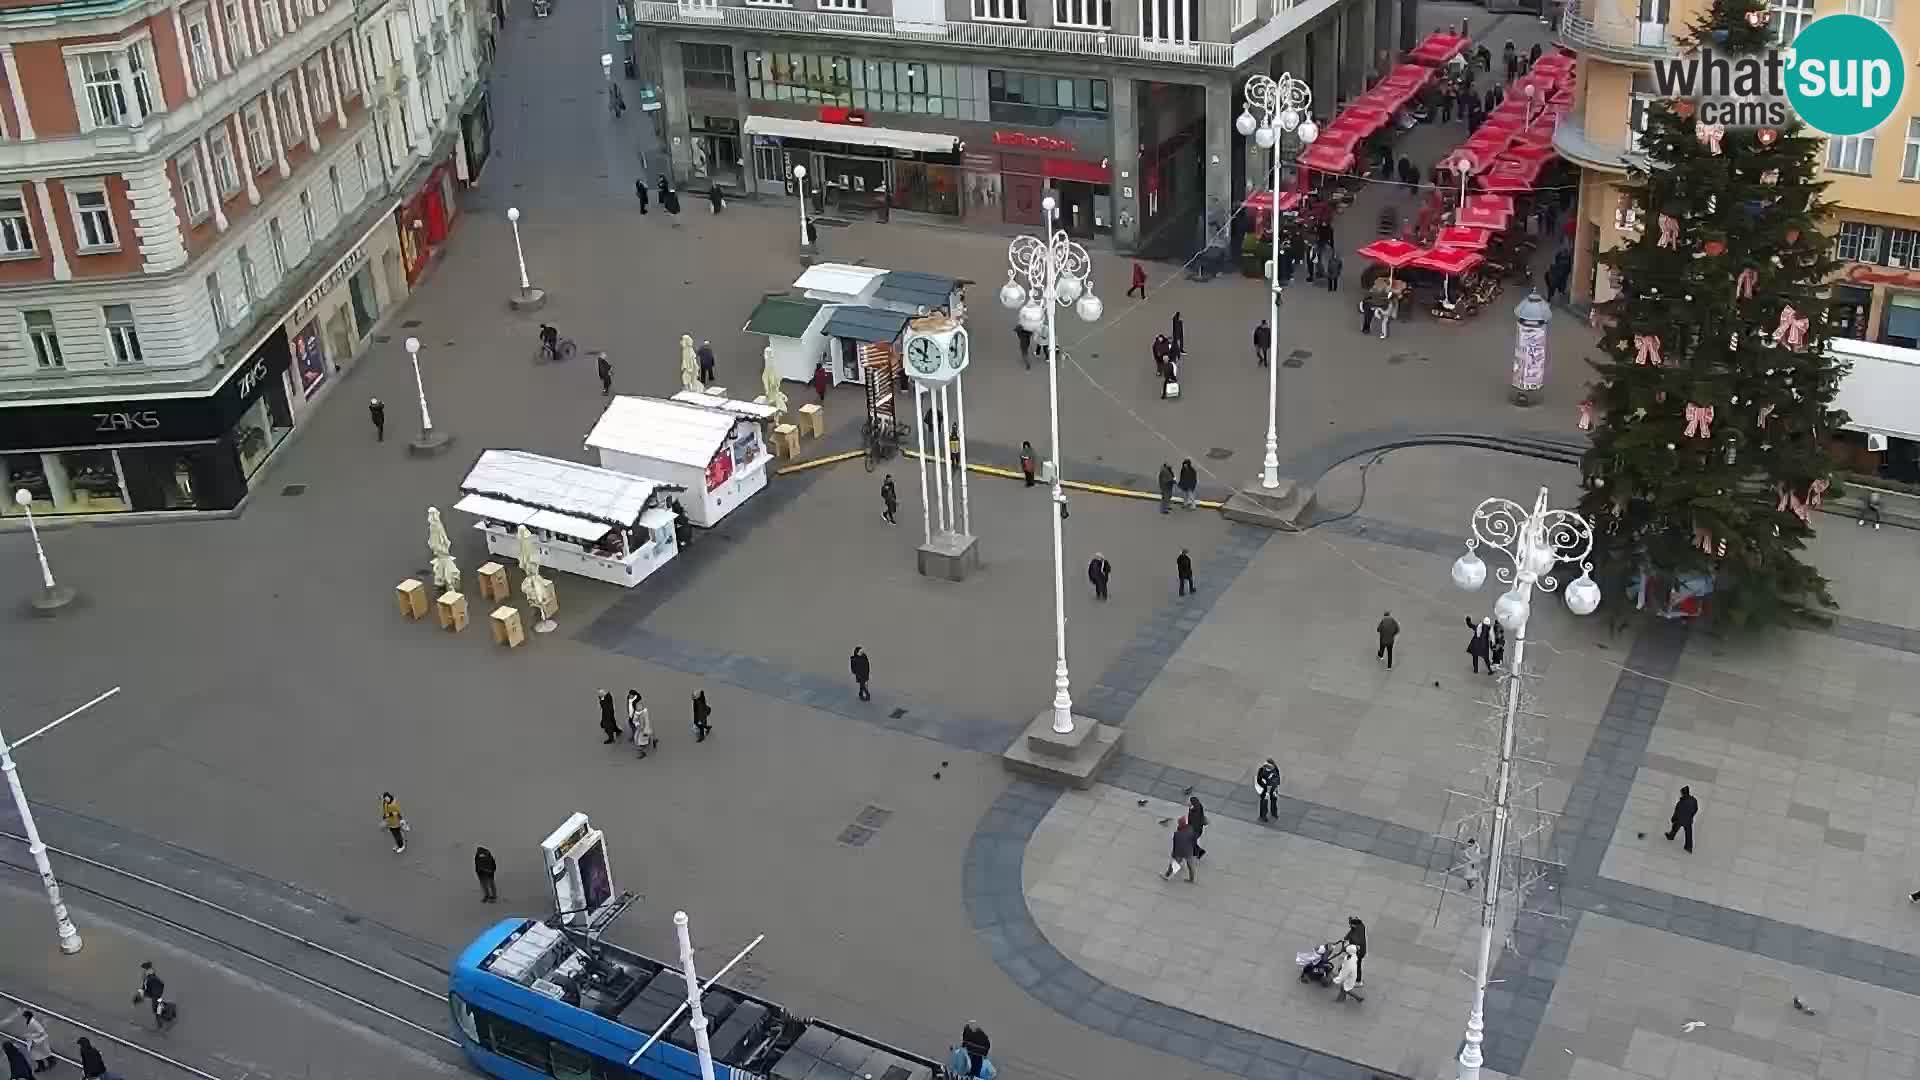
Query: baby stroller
point(1316, 965)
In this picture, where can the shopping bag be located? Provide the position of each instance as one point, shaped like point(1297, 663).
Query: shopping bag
point(1172, 391)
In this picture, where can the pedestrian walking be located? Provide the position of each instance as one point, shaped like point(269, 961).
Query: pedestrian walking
point(1166, 488)
point(1357, 939)
point(708, 366)
point(34, 1034)
point(669, 198)
point(1197, 821)
point(1871, 510)
point(18, 1068)
point(1684, 809)
point(1334, 265)
point(483, 868)
point(394, 820)
point(1184, 567)
point(1026, 461)
point(702, 726)
point(1446, 107)
point(153, 990)
point(1484, 58)
point(1470, 863)
point(604, 367)
point(1100, 572)
point(716, 201)
point(1025, 337)
point(377, 412)
point(1139, 281)
point(1182, 858)
point(1266, 784)
point(92, 1065)
point(1480, 645)
point(1533, 56)
point(1510, 60)
point(975, 1043)
point(1348, 978)
point(890, 501)
point(1179, 336)
point(1162, 354)
point(1262, 342)
point(1189, 483)
point(639, 724)
point(1499, 654)
point(822, 382)
point(607, 722)
point(1387, 630)
point(640, 192)
point(862, 668)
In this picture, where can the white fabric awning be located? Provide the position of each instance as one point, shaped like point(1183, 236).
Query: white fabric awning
point(499, 510)
point(858, 134)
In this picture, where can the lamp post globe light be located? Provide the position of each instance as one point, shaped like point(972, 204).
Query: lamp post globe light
point(429, 442)
point(528, 298)
point(1535, 542)
point(1057, 272)
point(1274, 106)
point(50, 597)
point(800, 184)
point(70, 942)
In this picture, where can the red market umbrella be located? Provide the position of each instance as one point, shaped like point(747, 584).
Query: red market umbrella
point(1530, 149)
point(1390, 253)
point(1478, 213)
point(1326, 159)
point(1439, 48)
point(1450, 262)
point(1461, 236)
point(1483, 148)
point(1411, 72)
point(1341, 138)
point(1366, 118)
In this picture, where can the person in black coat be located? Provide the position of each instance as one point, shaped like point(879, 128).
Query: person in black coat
point(1684, 810)
point(607, 722)
point(18, 1067)
point(1099, 571)
point(862, 668)
point(716, 199)
point(669, 198)
point(483, 868)
point(1182, 857)
point(701, 712)
point(974, 1040)
point(640, 192)
point(1480, 646)
point(1183, 566)
point(1179, 336)
point(92, 1065)
point(1197, 820)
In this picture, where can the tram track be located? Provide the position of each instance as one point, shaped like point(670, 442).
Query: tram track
point(395, 997)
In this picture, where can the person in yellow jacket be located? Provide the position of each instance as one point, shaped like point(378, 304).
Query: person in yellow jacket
point(395, 821)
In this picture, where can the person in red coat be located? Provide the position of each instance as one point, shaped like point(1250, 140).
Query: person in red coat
point(822, 382)
point(1139, 281)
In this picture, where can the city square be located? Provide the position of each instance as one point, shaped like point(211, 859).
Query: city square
point(905, 881)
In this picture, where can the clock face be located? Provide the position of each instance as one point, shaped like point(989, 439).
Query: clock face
point(923, 355)
point(957, 352)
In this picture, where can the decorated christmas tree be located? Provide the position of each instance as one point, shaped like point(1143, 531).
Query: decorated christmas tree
point(1712, 409)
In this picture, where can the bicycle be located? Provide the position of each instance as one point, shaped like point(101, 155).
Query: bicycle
point(561, 349)
point(881, 441)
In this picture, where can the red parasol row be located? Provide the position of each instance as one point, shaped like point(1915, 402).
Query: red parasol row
point(1394, 254)
point(1439, 48)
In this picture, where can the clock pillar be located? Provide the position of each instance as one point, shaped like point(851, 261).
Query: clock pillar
point(936, 360)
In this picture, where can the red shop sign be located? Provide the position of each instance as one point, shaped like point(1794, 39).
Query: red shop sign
point(1032, 142)
point(1868, 275)
point(840, 114)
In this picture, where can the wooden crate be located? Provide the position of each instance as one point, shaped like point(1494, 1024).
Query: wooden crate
point(507, 630)
point(452, 608)
point(412, 596)
point(493, 584)
point(813, 420)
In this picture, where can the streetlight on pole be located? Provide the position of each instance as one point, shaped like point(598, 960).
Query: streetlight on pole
point(69, 937)
point(800, 182)
point(1058, 272)
point(51, 597)
point(528, 298)
point(430, 442)
point(1283, 102)
point(1536, 541)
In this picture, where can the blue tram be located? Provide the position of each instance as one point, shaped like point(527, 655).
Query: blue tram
point(532, 1001)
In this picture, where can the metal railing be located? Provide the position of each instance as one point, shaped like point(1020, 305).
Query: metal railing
point(1613, 29)
point(970, 35)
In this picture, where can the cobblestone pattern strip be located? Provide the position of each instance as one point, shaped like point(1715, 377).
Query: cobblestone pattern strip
point(997, 907)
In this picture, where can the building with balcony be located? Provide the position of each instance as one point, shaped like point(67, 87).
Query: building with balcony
point(205, 209)
point(1875, 189)
point(974, 109)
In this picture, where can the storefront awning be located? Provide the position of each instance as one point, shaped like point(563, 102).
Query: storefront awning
point(858, 134)
point(865, 324)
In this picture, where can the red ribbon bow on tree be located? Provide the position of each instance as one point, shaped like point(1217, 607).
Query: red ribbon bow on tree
point(1703, 539)
point(1792, 328)
point(1815, 492)
point(1669, 232)
point(1710, 135)
point(1699, 421)
point(1743, 285)
point(1586, 415)
point(1646, 349)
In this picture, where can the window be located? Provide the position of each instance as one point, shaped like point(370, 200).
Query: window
point(1626, 214)
point(193, 187)
point(1880, 11)
point(1086, 14)
point(259, 147)
point(875, 85)
point(217, 301)
point(1900, 247)
point(200, 50)
point(1788, 18)
point(1857, 242)
point(1000, 10)
point(92, 216)
point(277, 247)
point(1020, 97)
point(226, 168)
point(106, 94)
point(333, 187)
point(306, 216)
point(769, 3)
point(1245, 11)
point(843, 5)
point(249, 282)
point(270, 29)
point(289, 112)
point(1172, 22)
point(1645, 93)
point(137, 67)
point(317, 88)
point(236, 20)
point(1850, 154)
point(366, 165)
point(16, 234)
point(511, 1040)
point(44, 339)
point(1910, 160)
point(343, 64)
point(707, 67)
point(122, 337)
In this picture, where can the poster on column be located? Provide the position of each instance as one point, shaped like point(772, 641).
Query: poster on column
point(1530, 357)
point(309, 359)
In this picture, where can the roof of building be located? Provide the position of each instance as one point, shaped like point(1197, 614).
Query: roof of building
point(664, 430)
point(782, 316)
point(752, 410)
point(926, 291)
point(865, 323)
point(515, 487)
point(841, 279)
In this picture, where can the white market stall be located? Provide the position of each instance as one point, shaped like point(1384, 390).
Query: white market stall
point(718, 457)
point(757, 411)
point(594, 522)
point(794, 329)
point(839, 283)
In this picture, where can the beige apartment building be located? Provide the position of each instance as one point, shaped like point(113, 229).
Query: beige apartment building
point(1875, 177)
point(205, 208)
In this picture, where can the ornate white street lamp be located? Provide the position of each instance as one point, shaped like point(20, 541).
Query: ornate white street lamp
point(800, 182)
point(1535, 542)
point(51, 597)
point(70, 942)
point(528, 298)
point(1057, 272)
point(429, 442)
point(1282, 103)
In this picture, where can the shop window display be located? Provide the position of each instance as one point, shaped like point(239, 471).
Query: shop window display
point(257, 433)
point(74, 482)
